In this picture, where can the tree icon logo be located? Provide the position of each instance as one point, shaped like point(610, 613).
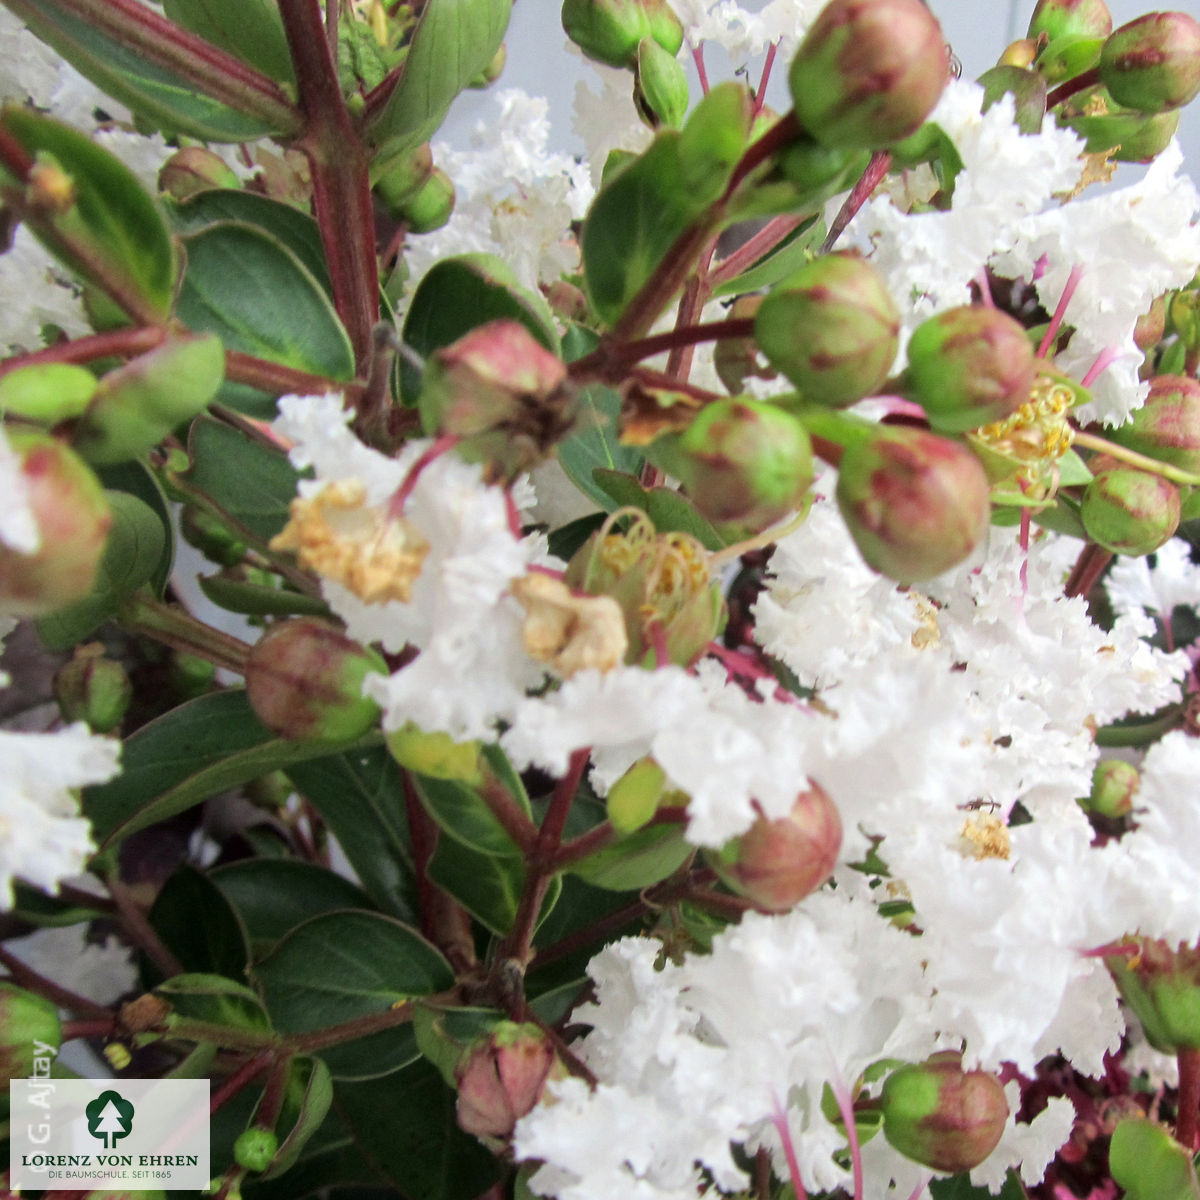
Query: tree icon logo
point(109, 1118)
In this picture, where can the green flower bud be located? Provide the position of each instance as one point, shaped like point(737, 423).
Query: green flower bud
point(1153, 63)
point(29, 1029)
point(431, 205)
point(607, 31)
point(1070, 18)
point(633, 800)
point(190, 675)
point(968, 367)
point(869, 72)
point(660, 88)
point(255, 1149)
point(47, 393)
point(744, 463)
point(1162, 987)
point(832, 328)
point(937, 1114)
point(1114, 785)
point(72, 517)
point(502, 1078)
point(775, 864)
point(1167, 426)
point(1183, 314)
point(1129, 511)
point(435, 754)
point(1066, 57)
point(915, 503)
point(93, 689)
point(403, 178)
point(304, 680)
point(193, 170)
point(1131, 136)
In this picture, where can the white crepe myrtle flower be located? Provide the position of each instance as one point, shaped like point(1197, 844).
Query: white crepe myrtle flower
point(18, 527)
point(35, 292)
point(744, 33)
point(1136, 585)
point(1029, 1147)
point(102, 973)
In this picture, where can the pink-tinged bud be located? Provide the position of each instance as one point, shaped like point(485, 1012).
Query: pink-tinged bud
point(93, 689)
point(968, 367)
point(869, 72)
point(915, 503)
point(1167, 426)
point(192, 170)
point(832, 328)
point(1151, 326)
point(1162, 986)
point(501, 1079)
point(609, 31)
point(1153, 63)
point(1114, 785)
point(775, 864)
point(1070, 18)
point(941, 1116)
point(72, 518)
point(29, 1031)
point(502, 393)
point(1020, 53)
point(1129, 511)
point(304, 680)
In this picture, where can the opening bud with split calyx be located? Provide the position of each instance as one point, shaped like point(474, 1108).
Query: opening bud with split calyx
point(1153, 63)
point(502, 1077)
point(869, 72)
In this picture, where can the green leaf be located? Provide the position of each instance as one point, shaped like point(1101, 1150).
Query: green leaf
point(567, 539)
point(405, 1126)
point(465, 816)
point(671, 511)
point(643, 858)
point(361, 799)
point(597, 446)
point(444, 1033)
point(272, 897)
point(199, 926)
point(135, 479)
point(205, 746)
point(348, 964)
point(306, 1102)
point(958, 1187)
point(49, 911)
point(1150, 1164)
point(256, 599)
point(113, 220)
point(453, 42)
point(487, 886)
point(133, 554)
point(165, 98)
point(460, 294)
point(330, 1159)
point(253, 484)
point(786, 259)
point(215, 999)
point(251, 29)
point(247, 287)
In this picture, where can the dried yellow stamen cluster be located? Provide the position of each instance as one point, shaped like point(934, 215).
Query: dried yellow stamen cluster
point(569, 632)
point(337, 535)
point(984, 835)
point(1037, 435)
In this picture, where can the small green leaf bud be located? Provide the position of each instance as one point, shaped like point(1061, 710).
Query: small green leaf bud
point(304, 680)
point(660, 88)
point(29, 1030)
point(1070, 18)
point(1167, 426)
point(1067, 57)
point(193, 170)
point(1020, 54)
point(403, 178)
point(1114, 785)
point(1129, 511)
point(255, 1149)
point(93, 689)
point(1153, 62)
point(776, 863)
point(431, 205)
point(869, 72)
point(72, 517)
point(937, 1114)
point(190, 675)
point(1147, 1163)
point(968, 367)
point(1162, 986)
point(47, 393)
point(633, 800)
point(915, 503)
point(832, 328)
point(435, 754)
point(502, 1078)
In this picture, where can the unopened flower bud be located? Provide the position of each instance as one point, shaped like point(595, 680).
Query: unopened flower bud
point(501, 392)
point(1020, 53)
point(968, 367)
point(93, 689)
point(71, 516)
point(403, 178)
point(1151, 326)
point(1167, 426)
point(941, 1116)
point(744, 463)
point(1070, 18)
point(430, 206)
point(1162, 986)
point(660, 88)
point(1129, 511)
point(609, 31)
point(1114, 785)
point(255, 1149)
point(304, 681)
point(1153, 62)
point(192, 170)
point(501, 1079)
point(633, 800)
point(435, 754)
point(29, 1029)
point(1131, 136)
point(776, 863)
point(869, 72)
point(915, 503)
point(832, 328)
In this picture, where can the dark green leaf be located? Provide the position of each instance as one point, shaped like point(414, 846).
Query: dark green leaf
point(636, 861)
point(1150, 1164)
point(462, 813)
point(198, 925)
point(959, 1187)
point(274, 896)
point(49, 911)
point(488, 887)
point(671, 511)
point(113, 217)
point(136, 480)
point(565, 541)
point(330, 1159)
point(256, 599)
point(406, 1128)
point(246, 286)
point(215, 999)
point(253, 484)
point(454, 41)
point(306, 1102)
point(361, 799)
point(597, 446)
point(444, 1033)
point(251, 29)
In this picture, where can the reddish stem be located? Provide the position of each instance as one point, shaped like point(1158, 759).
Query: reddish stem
point(29, 979)
point(96, 1028)
point(245, 1074)
point(826, 450)
point(550, 834)
point(610, 361)
point(587, 843)
point(1088, 568)
point(761, 94)
point(423, 834)
point(1187, 1121)
point(275, 377)
point(1065, 91)
point(120, 343)
point(695, 293)
point(774, 232)
point(870, 179)
point(698, 59)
